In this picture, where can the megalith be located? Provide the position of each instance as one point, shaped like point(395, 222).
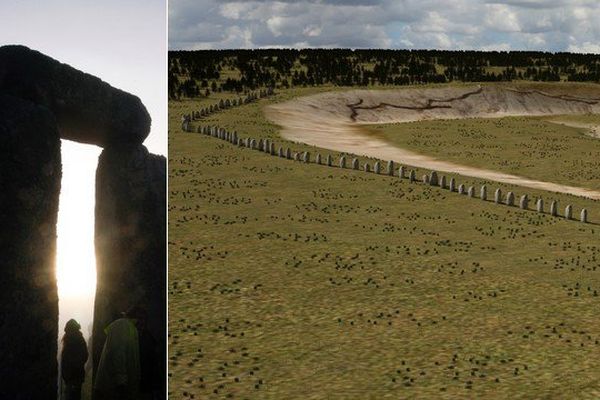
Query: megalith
point(31, 176)
point(130, 233)
point(43, 101)
point(433, 178)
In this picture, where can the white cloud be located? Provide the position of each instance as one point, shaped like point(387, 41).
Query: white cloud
point(312, 31)
point(586, 47)
point(551, 25)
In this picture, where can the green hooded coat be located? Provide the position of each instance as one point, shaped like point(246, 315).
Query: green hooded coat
point(118, 372)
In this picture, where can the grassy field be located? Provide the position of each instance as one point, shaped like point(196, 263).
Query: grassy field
point(526, 146)
point(296, 281)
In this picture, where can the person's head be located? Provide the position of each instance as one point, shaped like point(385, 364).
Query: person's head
point(139, 315)
point(72, 330)
point(72, 326)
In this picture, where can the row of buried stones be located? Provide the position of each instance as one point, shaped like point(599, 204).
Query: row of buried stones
point(223, 105)
point(267, 146)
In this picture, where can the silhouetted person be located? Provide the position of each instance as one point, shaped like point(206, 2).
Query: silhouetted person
point(118, 375)
point(73, 358)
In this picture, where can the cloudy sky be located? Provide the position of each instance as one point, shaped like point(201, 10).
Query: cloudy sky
point(549, 25)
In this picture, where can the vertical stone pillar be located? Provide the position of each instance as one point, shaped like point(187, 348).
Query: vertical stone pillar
point(130, 233)
point(483, 193)
point(443, 181)
point(433, 178)
point(523, 204)
point(584, 216)
point(30, 174)
point(452, 186)
point(554, 208)
point(498, 196)
point(390, 168)
point(568, 212)
point(540, 206)
point(510, 199)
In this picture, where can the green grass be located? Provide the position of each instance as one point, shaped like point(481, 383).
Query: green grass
point(309, 282)
point(524, 146)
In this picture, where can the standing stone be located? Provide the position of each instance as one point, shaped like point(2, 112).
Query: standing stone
point(413, 175)
point(272, 150)
point(554, 208)
point(280, 152)
point(540, 206)
point(260, 144)
point(342, 162)
point(433, 178)
point(584, 216)
point(367, 167)
point(461, 189)
point(471, 191)
point(452, 186)
point(130, 230)
point(401, 172)
point(568, 212)
point(524, 202)
point(443, 181)
point(30, 177)
point(390, 168)
point(498, 196)
point(296, 156)
point(355, 164)
point(377, 167)
point(426, 179)
point(253, 144)
point(306, 157)
point(318, 158)
point(288, 153)
point(329, 160)
point(510, 199)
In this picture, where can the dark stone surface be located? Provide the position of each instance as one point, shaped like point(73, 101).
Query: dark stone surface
point(130, 232)
point(30, 174)
point(87, 109)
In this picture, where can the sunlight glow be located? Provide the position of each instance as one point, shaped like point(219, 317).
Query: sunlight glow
point(75, 255)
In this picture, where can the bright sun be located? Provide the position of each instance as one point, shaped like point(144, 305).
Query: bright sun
point(75, 254)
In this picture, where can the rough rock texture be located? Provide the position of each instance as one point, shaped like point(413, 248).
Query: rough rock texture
point(86, 109)
point(30, 180)
point(130, 236)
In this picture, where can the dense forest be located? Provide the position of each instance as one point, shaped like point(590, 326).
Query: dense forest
point(202, 72)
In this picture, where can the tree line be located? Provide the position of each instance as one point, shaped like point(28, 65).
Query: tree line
point(202, 72)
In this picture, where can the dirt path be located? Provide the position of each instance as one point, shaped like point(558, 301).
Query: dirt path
point(328, 130)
